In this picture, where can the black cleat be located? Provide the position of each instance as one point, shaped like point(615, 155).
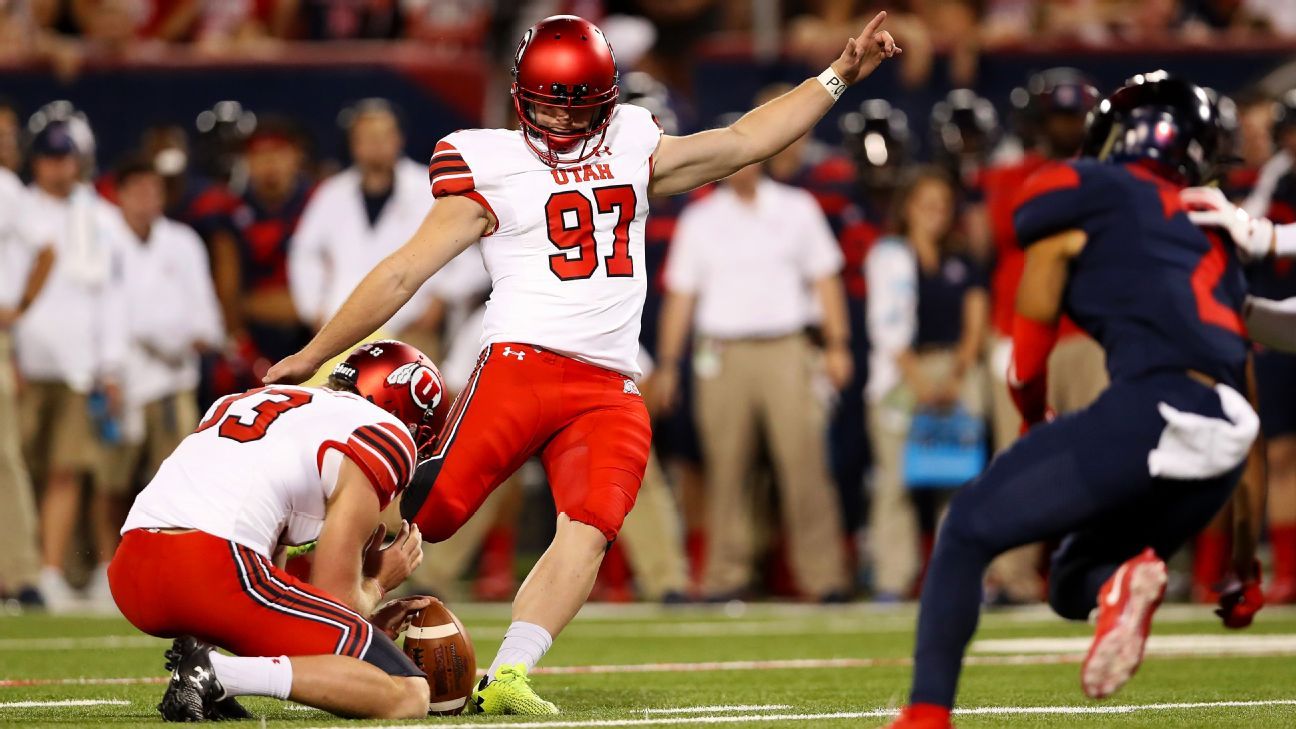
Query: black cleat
point(194, 693)
point(229, 709)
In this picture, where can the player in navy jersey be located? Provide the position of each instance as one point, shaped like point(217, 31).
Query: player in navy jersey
point(1128, 480)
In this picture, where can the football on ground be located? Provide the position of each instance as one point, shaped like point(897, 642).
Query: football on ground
point(438, 644)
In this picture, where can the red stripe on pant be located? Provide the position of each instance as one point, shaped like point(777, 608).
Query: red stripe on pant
point(355, 630)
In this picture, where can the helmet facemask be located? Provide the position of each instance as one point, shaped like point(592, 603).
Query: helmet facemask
point(564, 147)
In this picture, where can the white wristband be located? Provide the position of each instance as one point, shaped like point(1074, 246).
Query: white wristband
point(832, 83)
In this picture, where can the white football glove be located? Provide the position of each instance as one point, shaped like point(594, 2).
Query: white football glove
point(1207, 207)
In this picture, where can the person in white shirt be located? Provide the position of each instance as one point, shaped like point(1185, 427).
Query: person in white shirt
point(70, 342)
point(25, 262)
point(751, 266)
point(173, 316)
point(356, 218)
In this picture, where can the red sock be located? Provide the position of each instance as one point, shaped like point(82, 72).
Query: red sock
point(695, 545)
point(782, 583)
point(495, 572)
point(1211, 555)
point(1283, 540)
point(613, 583)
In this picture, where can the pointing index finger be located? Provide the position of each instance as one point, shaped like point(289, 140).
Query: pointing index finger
point(872, 27)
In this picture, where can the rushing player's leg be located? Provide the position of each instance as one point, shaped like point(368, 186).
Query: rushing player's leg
point(1084, 471)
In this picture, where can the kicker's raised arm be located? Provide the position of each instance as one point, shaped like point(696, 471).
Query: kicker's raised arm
point(453, 224)
point(683, 163)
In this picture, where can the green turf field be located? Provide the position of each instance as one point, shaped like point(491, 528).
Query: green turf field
point(754, 666)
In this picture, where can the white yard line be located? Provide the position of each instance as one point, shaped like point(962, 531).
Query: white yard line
point(875, 714)
point(1250, 644)
point(64, 702)
point(132, 681)
point(712, 709)
point(76, 644)
point(756, 611)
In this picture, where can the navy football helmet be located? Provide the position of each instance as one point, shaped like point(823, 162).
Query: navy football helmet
point(1050, 98)
point(1167, 121)
point(964, 125)
point(877, 138)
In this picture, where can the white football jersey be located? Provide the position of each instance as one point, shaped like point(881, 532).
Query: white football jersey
point(261, 465)
point(567, 257)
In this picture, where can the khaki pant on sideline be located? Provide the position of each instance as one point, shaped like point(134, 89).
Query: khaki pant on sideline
point(893, 522)
point(19, 562)
point(1077, 375)
point(757, 387)
point(58, 433)
point(654, 538)
point(167, 421)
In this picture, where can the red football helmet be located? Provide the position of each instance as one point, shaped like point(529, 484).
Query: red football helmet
point(401, 380)
point(564, 61)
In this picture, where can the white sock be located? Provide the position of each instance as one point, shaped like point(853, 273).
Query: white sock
point(253, 676)
point(524, 643)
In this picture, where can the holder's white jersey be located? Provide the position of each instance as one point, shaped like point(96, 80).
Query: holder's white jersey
point(261, 465)
point(567, 257)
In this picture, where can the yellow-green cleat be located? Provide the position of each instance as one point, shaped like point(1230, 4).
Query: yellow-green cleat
point(509, 692)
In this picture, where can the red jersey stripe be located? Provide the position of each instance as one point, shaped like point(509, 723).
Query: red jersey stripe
point(1049, 178)
point(403, 437)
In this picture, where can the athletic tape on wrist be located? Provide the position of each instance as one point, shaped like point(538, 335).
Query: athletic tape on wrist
point(832, 83)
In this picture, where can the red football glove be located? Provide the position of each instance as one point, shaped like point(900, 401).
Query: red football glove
point(1241, 599)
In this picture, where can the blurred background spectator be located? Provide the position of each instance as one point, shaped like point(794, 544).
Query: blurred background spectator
point(173, 317)
point(71, 345)
point(927, 315)
point(250, 247)
point(25, 261)
point(356, 218)
point(757, 374)
point(245, 112)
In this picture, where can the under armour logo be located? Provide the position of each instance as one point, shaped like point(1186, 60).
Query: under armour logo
point(510, 351)
point(603, 151)
point(631, 388)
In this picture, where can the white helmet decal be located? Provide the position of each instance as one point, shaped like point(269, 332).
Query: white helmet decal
point(424, 387)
